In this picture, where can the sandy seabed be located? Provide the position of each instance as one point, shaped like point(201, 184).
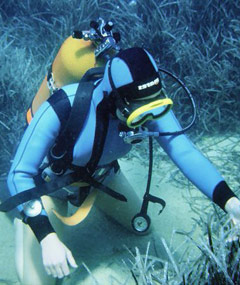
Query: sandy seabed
point(102, 245)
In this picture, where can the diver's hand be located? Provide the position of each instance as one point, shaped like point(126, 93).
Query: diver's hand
point(56, 256)
point(232, 207)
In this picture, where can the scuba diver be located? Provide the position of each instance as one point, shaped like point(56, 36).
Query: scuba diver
point(127, 100)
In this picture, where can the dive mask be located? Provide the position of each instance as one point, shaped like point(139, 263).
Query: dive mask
point(149, 111)
point(139, 110)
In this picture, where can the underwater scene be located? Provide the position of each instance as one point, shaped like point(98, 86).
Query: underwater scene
point(143, 187)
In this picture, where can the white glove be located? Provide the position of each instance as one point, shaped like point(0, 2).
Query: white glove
point(56, 256)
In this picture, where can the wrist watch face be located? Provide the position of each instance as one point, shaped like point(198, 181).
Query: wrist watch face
point(32, 208)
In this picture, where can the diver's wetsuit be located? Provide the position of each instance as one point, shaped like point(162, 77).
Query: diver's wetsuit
point(44, 128)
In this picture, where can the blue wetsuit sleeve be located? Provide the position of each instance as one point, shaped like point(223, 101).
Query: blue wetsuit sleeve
point(194, 165)
point(34, 146)
point(38, 138)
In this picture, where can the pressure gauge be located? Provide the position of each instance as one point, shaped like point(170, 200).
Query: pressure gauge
point(141, 223)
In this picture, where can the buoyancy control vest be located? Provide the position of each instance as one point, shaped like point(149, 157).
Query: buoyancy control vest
point(63, 149)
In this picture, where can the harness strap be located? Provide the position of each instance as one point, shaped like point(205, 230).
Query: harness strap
point(62, 151)
point(60, 103)
point(47, 188)
point(102, 123)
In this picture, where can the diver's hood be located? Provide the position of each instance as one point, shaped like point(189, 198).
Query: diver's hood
point(134, 73)
point(132, 80)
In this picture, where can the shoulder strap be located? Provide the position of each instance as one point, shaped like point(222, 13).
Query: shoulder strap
point(93, 74)
point(102, 122)
point(62, 151)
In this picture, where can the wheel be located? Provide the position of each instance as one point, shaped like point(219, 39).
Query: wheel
point(141, 223)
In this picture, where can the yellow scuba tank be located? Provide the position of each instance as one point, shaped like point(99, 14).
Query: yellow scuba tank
point(79, 52)
point(74, 58)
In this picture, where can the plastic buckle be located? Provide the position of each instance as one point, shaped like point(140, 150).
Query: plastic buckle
point(51, 83)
